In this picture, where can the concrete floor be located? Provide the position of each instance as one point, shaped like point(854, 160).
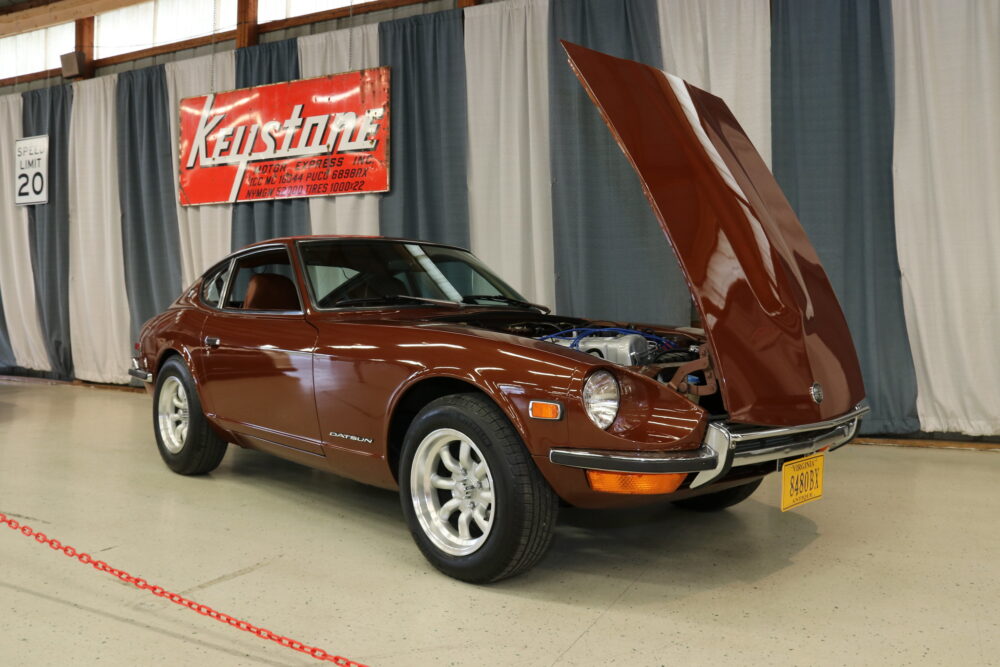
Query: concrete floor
point(898, 564)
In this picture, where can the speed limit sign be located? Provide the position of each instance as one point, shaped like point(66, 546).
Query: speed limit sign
point(31, 176)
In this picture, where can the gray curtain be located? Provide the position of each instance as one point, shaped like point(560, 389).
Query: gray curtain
point(611, 257)
point(831, 90)
point(428, 197)
point(150, 239)
point(257, 221)
point(7, 360)
point(47, 111)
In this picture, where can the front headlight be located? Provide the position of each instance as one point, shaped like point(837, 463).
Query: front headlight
point(601, 397)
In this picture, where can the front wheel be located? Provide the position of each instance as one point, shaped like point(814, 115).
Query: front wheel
point(475, 503)
point(186, 441)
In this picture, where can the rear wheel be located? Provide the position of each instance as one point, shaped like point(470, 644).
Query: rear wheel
point(475, 503)
point(186, 441)
point(710, 502)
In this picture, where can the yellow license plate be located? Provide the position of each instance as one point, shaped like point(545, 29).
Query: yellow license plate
point(801, 481)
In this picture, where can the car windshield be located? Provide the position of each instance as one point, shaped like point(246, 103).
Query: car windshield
point(344, 273)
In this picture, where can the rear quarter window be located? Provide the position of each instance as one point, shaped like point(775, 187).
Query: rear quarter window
point(214, 283)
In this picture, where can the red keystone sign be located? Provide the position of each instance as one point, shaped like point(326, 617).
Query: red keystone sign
point(307, 138)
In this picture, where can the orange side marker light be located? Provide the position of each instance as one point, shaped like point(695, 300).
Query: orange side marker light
point(633, 483)
point(544, 410)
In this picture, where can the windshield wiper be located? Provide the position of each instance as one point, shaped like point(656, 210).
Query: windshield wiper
point(472, 298)
point(391, 298)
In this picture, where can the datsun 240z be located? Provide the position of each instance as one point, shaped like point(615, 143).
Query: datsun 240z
point(410, 365)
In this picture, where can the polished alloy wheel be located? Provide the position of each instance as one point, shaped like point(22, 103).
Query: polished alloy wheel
point(173, 414)
point(452, 491)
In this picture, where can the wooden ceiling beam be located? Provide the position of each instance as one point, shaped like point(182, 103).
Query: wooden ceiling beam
point(85, 45)
point(246, 23)
point(21, 6)
point(153, 51)
point(35, 17)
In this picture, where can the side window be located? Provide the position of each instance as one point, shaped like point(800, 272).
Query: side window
point(212, 286)
point(264, 281)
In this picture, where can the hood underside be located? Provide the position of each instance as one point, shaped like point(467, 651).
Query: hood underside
point(781, 345)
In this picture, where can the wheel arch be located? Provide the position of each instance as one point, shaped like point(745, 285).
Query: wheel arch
point(182, 352)
point(174, 349)
point(165, 355)
point(415, 397)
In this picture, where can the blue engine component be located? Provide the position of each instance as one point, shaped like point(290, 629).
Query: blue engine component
point(576, 335)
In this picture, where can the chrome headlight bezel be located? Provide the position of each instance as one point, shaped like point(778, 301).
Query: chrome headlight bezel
point(601, 397)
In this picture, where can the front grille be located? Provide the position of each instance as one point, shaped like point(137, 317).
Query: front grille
point(778, 441)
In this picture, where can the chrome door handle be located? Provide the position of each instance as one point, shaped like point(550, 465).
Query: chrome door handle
point(212, 341)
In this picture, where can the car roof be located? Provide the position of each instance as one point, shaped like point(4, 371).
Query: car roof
point(343, 237)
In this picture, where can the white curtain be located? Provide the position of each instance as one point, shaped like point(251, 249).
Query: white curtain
point(177, 20)
point(125, 29)
point(724, 47)
point(23, 53)
point(509, 178)
point(274, 10)
point(330, 53)
point(17, 285)
point(147, 24)
point(35, 50)
point(946, 170)
point(98, 303)
point(205, 231)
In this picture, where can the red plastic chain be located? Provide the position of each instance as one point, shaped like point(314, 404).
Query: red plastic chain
point(204, 610)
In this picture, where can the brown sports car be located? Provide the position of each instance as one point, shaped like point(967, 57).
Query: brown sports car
point(412, 366)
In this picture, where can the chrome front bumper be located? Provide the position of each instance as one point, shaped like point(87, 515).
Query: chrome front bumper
point(726, 446)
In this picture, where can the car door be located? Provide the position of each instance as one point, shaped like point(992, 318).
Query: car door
point(257, 356)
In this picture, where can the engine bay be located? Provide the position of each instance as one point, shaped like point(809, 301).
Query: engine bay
point(622, 346)
point(676, 357)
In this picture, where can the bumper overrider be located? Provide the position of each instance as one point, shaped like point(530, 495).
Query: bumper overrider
point(726, 446)
point(139, 373)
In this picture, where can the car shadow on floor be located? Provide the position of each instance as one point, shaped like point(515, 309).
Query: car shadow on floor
point(309, 486)
point(657, 544)
point(682, 551)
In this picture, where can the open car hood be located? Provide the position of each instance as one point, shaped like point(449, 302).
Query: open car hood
point(782, 350)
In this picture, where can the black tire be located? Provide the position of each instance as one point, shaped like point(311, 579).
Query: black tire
point(201, 449)
point(711, 502)
point(523, 509)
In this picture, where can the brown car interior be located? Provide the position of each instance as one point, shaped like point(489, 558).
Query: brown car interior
point(270, 291)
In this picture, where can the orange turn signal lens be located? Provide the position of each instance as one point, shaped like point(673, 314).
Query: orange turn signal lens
point(544, 410)
point(633, 483)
